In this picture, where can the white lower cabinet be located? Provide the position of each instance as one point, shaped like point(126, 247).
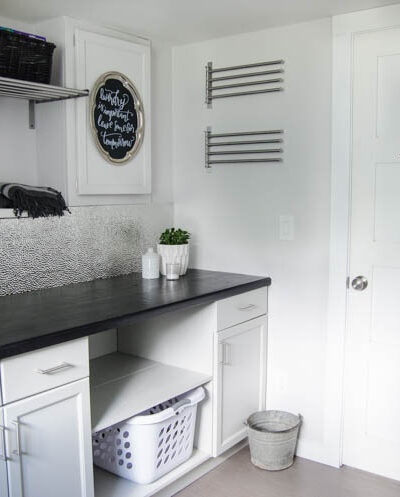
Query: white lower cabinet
point(45, 424)
point(48, 443)
point(240, 380)
point(3, 463)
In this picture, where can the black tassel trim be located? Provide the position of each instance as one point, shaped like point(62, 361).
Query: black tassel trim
point(37, 206)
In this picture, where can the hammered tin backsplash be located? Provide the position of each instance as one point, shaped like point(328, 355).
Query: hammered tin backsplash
point(90, 243)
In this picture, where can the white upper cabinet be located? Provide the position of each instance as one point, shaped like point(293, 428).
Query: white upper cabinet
point(68, 156)
point(95, 55)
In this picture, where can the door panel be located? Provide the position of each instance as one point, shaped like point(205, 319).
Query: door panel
point(3, 463)
point(384, 382)
point(385, 305)
point(97, 54)
point(387, 203)
point(388, 95)
point(240, 380)
point(372, 386)
point(49, 444)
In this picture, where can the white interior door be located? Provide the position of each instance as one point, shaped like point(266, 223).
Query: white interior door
point(372, 386)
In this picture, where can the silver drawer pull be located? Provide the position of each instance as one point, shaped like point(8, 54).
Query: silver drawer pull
point(17, 451)
point(247, 307)
point(56, 369)
point(225, 354)
point(3, 455)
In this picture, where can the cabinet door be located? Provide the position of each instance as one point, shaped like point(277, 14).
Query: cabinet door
point(3, 464)
point(95, 55)
point(240, 373)
point(48, 441)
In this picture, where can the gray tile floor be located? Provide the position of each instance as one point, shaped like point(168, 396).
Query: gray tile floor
point(237, 477)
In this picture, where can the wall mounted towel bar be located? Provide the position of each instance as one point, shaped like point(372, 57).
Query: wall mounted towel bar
point(212, 141)
point(213, 90)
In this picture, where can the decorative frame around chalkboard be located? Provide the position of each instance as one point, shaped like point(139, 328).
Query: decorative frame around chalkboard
point(137, 133)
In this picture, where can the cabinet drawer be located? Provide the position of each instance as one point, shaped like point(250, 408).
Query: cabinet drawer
point(241, 308)
point(40, 370)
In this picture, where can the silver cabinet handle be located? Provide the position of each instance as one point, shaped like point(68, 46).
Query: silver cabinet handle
point(226, 354)
point(17, 451)
point(247, 307)
point(3, 455)
point(55, 369)
point(221, 353)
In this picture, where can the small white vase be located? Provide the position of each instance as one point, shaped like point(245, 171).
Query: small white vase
point(150, 265)
point(173, 254)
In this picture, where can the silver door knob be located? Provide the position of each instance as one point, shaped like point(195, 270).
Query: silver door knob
point(359, 283)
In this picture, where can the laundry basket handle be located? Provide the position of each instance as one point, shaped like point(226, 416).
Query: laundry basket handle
point(181, 403)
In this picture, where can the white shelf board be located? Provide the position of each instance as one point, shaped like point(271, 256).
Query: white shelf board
point(123, 385)
point(9, 214)
point(107, 484)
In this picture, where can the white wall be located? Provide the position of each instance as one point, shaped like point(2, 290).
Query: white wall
point(17, 141)
point(161, 93)
point(233, 212)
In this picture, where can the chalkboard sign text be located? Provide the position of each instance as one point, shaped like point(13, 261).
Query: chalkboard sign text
point(116, 117)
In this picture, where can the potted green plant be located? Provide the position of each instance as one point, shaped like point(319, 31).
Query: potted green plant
point(173, 248)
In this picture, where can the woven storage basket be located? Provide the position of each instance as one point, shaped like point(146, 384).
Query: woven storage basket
point(23, 57)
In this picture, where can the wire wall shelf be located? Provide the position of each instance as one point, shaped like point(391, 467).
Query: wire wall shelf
point(266, 80)
point(241, 148)
point(36, 93)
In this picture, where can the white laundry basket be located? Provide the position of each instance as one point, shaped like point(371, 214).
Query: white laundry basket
point(147, 446)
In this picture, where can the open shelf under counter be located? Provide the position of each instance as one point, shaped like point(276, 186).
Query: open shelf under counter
point(123, 385)
point(107, 485)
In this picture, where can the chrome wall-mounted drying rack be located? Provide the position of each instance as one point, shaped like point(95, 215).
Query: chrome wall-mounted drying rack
point(37, 93)
point(240, 72)
point(258, 153)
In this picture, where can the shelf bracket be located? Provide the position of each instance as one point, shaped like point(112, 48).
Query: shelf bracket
point(32, 123)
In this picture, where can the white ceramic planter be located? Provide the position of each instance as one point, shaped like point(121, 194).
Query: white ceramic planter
point(173, 254)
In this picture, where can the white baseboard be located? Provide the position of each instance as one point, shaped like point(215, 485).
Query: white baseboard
point(317, 452)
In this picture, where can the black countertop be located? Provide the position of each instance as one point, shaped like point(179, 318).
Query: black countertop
point(38, 319)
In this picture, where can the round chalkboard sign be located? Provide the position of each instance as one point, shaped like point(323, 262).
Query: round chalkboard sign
point(117, 117)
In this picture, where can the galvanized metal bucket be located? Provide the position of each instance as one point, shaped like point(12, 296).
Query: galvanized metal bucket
point(273, 438)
